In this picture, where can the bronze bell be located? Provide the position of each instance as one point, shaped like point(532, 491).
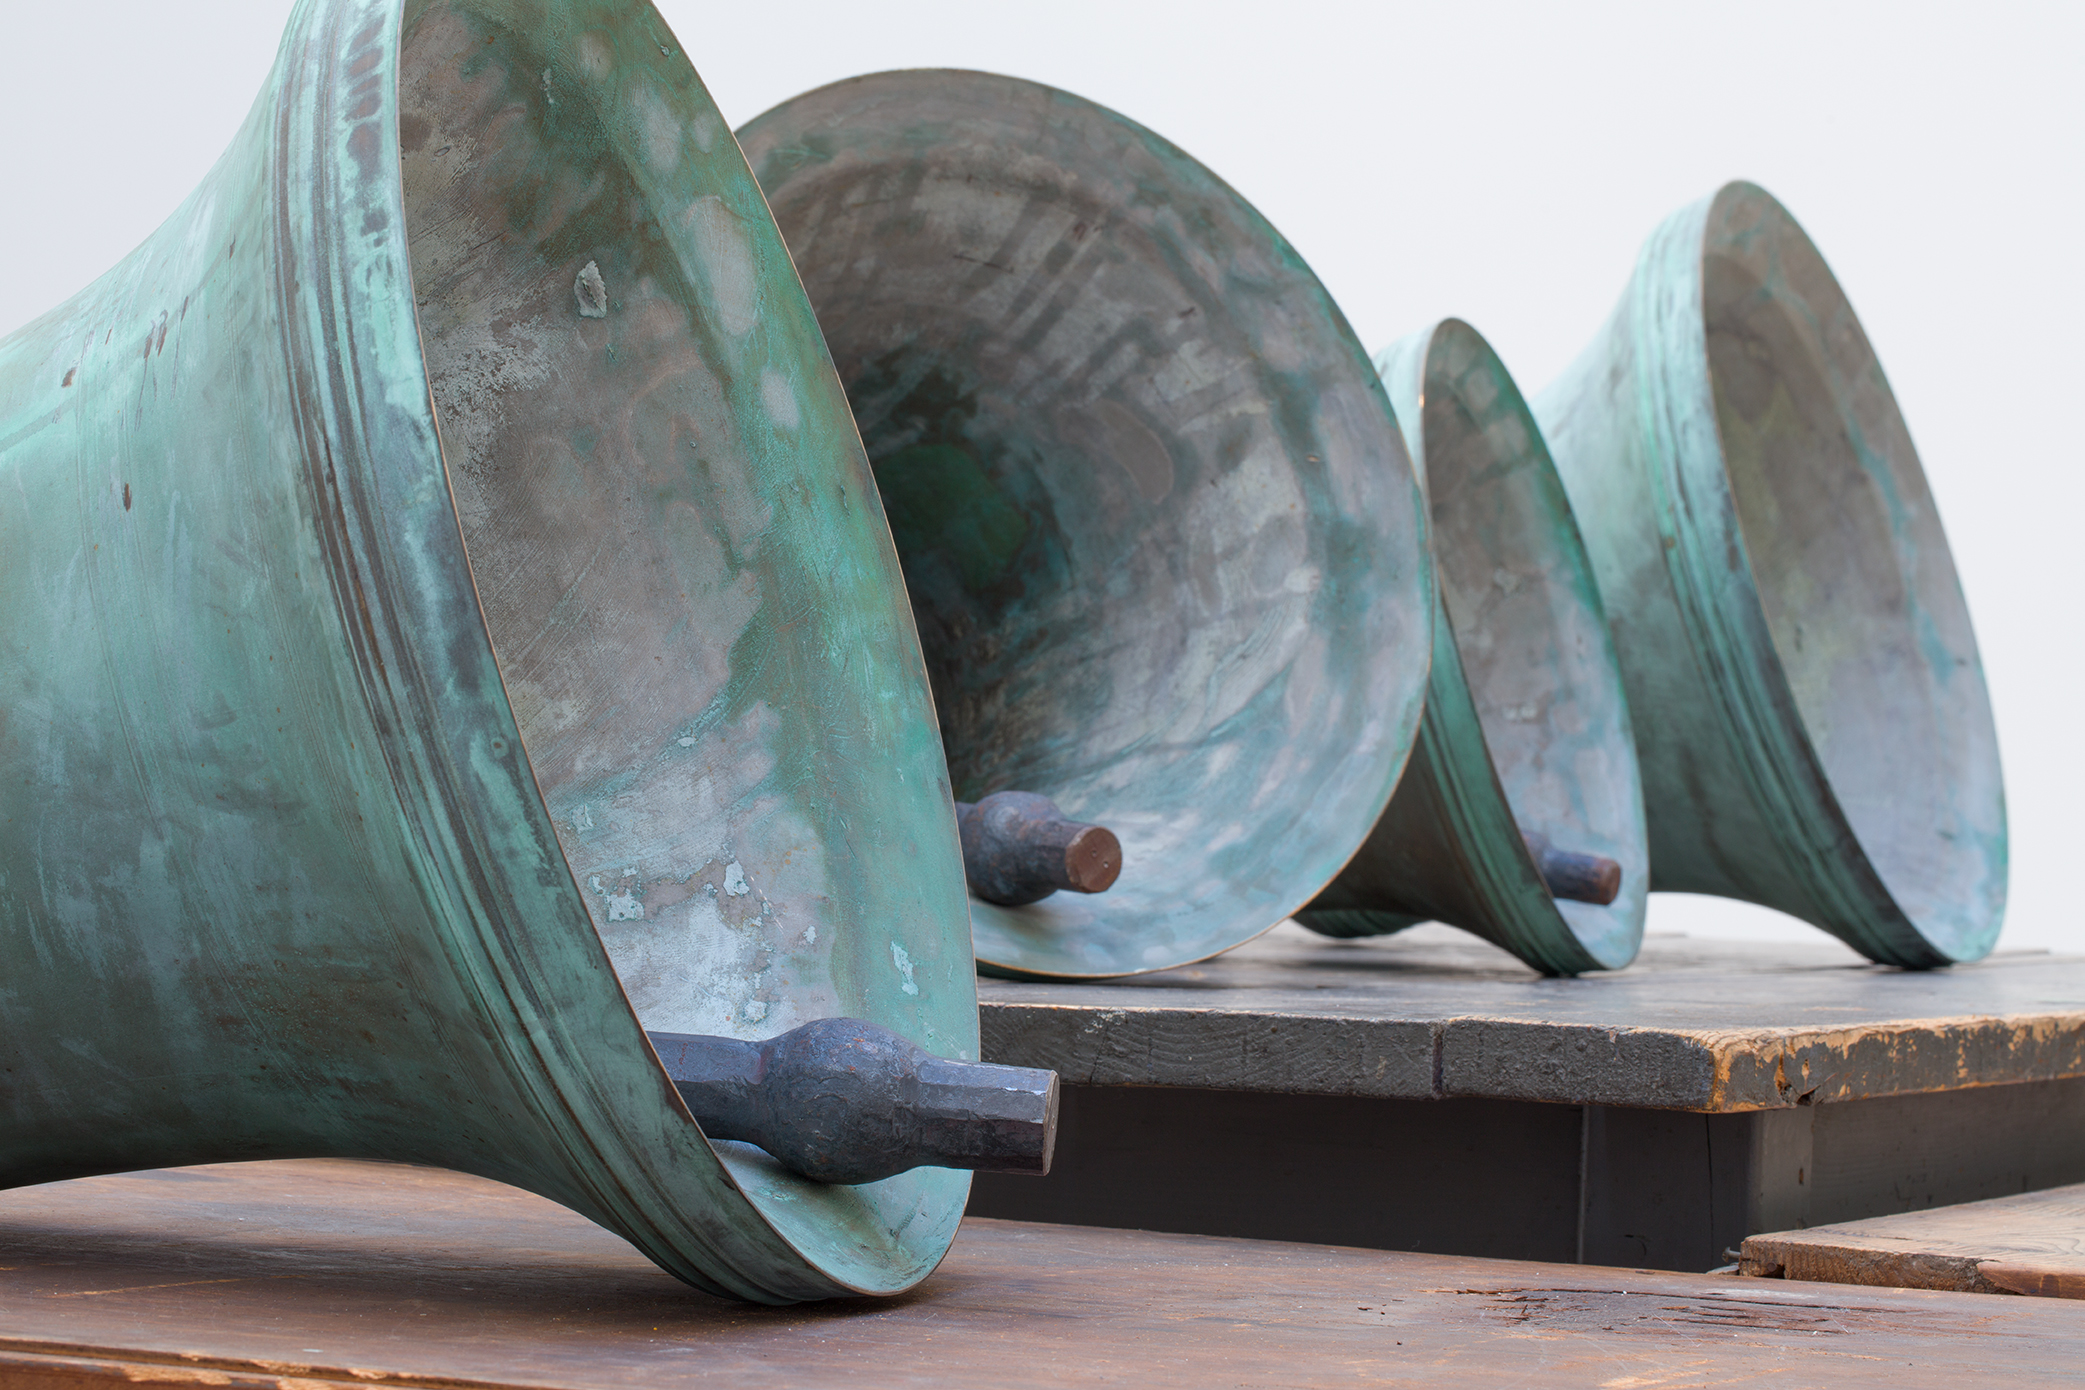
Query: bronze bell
point(450, 634)
point(1811, 716)
point(1520, 817)
point(1160, 531)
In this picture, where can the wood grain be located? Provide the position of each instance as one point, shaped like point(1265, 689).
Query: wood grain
point(1431, 1013)
point(2030, 1244)
point(323, 1273)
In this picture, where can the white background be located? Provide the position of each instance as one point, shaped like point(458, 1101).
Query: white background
point(1498, 162)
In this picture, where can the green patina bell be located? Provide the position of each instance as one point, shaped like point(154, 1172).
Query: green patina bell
point(1520, 817)
point(1810, 710)
point(442, 550)
point(1162, 537)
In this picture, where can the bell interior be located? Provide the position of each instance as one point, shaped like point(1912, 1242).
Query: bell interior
point(1134, 466)
point(649, 461)
point(1846, 551)
point(567, 371)
point(1528, 628)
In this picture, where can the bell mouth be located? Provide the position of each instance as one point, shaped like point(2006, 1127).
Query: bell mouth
point(1844, 547)
point(567, 355)
point(1160, 532)
point(1529, 630)
point(697, 620)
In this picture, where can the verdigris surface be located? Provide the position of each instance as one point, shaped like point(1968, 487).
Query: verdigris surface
point(1526, 728)
point(443, 548)
point(1810, 709)
point(1161, 533)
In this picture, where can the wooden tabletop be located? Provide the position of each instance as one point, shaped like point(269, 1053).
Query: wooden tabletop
point(305, 1275)
point(2033, 1243)
point(1432, 1012)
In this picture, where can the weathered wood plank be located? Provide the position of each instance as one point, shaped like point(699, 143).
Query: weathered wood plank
point(274, 1276)
point(1431, 1013)
point(2033, 1243)
point(1223, 1049)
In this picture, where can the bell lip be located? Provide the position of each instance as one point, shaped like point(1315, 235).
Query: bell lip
point(1526, 919)
point(624, 1169)
point(1758, 706)
point(761, 138)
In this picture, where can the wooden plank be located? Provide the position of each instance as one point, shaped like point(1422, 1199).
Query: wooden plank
point(326, 1273)
point(1433, 1013)
point(2033, 1243)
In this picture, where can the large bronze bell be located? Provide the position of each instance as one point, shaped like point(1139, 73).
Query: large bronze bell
point(1520, 817)
point(1161, 533)
point(441, 549)
point(1811, 715)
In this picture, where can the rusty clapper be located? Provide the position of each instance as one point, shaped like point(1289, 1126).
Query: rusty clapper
point(1161, 534)
point(450, 632)
point(1811, 714)
point(1521, 816)
point(1018, 848)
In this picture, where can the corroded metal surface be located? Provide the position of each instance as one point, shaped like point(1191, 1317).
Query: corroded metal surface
point(320, 788)
point(1811, 712)
point(1161, 533)
point(1526, 741)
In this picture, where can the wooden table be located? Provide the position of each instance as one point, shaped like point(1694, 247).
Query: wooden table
point(1428, 1092)
point(318, 1274)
